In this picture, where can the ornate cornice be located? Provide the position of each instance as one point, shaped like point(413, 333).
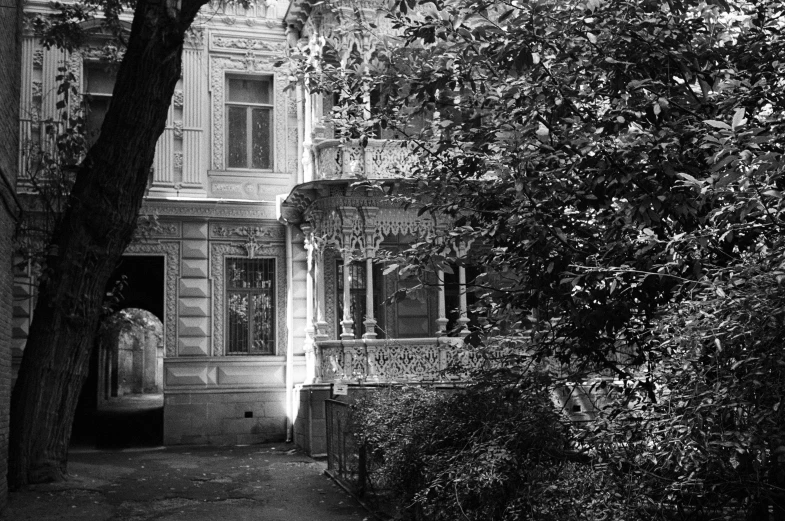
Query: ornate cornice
point(215, 209)
point(243, 44)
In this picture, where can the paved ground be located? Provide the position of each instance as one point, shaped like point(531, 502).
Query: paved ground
point(269, 482)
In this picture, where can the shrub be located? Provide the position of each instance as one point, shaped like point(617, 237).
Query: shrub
point(487, 452)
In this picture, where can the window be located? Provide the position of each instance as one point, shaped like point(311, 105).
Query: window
point(249, 122)
point(250, 304)
point(99, 81)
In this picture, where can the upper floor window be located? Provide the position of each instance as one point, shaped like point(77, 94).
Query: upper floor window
point(250, 296)
point(249, 122)
point(99, 81)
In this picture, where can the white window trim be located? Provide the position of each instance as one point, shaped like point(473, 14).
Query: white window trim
point(220, 68)
point(249, 127)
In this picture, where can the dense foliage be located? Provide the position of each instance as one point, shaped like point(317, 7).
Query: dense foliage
point(617, 167)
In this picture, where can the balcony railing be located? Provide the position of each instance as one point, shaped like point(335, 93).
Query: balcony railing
point(390, 360)
point(379, 159)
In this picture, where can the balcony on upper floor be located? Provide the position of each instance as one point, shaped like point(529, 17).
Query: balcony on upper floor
point(379, 159)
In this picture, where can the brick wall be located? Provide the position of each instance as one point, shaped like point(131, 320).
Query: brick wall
point(10, 20)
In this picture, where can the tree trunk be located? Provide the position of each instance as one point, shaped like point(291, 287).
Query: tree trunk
point(94, 231)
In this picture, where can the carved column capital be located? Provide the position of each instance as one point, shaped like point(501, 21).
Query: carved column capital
point(370, 230)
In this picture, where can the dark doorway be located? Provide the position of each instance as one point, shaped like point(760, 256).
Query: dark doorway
point(130, 420)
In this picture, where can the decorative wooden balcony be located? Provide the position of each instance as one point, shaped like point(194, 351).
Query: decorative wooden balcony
point(389, 360)
point(379, 159)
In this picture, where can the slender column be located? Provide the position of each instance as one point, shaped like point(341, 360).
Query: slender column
point(164, 154)
point(369, 220)
point(441, 321)
point(300, 104)
point(317, 246)
point(193, 128)
point(309, 173)
point(348, 218)
point(53, 59)
point(310, 329)
point(26, 115)
point(318, 275)
point(370, 321)
point(464, 308)
point(347, 332)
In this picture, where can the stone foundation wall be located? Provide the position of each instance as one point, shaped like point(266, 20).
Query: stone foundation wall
point(224, 418)
point(310, 429)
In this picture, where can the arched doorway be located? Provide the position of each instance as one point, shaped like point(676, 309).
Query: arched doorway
point(121, 404)
point(130, 357)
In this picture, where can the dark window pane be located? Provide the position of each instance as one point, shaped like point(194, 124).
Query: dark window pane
point(243, 90)
point(95, 113)
point(261, 120)
point(264, 323)
point(251, 305)
point(237, 141)
point(99, 78)
point(238, 322)
point(357, 293)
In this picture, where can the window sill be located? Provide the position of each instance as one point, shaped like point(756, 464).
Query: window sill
point(269, 174)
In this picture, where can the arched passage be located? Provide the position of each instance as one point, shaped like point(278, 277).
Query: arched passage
point(130, 356)
point(121, 403)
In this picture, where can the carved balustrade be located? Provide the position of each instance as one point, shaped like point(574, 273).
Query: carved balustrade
point(379, 159)
point(390, 360)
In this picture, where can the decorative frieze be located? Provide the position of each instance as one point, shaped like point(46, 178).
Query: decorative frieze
point(148, 228)
point(237, 189)
point(178, 161)
point(361, 227)
point(194, 37)
point(269, 233)
point(212, 210)
point(245, 44)
point(37, 90)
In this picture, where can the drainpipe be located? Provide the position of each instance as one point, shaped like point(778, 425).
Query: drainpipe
point(289, 379)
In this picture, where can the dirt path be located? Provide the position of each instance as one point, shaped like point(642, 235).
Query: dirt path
point(260, 482)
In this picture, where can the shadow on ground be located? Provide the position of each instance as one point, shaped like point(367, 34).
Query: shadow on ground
point(131, 421)
point(270, 482)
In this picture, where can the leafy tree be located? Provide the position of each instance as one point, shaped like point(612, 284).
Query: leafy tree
point(618, 167)
point(96, 226)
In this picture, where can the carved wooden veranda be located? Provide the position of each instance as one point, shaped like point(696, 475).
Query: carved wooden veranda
point(349, 223)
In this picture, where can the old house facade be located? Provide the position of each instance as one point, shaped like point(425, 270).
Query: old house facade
point(259, 247)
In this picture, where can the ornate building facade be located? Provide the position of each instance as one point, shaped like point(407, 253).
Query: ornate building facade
point(263, 245)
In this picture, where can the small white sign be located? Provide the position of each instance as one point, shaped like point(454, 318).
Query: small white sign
point(340, 389)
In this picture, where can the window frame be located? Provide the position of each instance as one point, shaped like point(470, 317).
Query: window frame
point(227, 103)
point(251, 333)
point(88, 96)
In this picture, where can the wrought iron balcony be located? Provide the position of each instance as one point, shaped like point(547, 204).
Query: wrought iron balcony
point(389, 360)
point(379, 159)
